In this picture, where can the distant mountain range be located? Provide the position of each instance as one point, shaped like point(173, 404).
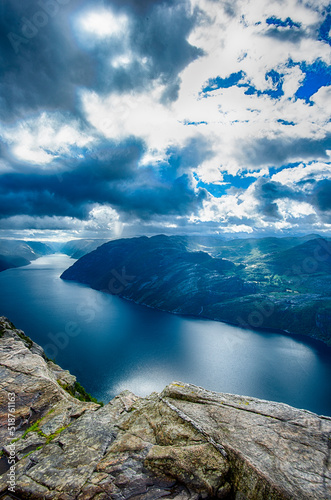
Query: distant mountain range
point(268, 283)
point(77, 248)
point(17, 253)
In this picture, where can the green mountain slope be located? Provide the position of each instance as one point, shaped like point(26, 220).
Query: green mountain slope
point(277, 283)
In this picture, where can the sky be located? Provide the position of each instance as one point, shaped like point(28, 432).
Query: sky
point(127, 117)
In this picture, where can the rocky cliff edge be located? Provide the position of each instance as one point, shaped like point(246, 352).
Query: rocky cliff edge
point(184, 443)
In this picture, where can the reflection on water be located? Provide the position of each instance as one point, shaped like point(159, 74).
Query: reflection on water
point(111, 344)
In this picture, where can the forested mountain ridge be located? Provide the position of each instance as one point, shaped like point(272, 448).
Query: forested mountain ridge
point(277, 283)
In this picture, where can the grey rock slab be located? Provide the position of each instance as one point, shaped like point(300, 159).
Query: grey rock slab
point(186, 443)
point(270, 446)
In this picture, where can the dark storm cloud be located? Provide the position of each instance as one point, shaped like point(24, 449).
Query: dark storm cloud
point(176, 198)
point(284, 30)
point(162, 36)
point(230, 8)
point(286, 35)
point(190, 156)
point(70, 192)
point(76, 192)
point(107, 177)
point(267, 192)
point(41, 66)
point(20, 222)
point(321, 195)
point(158, 43)
point(43, 62)
point(316, 193)
point(138, 6)
point(281, 151)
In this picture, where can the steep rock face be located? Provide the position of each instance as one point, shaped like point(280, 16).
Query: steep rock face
point(37, 383)
point(185, 443)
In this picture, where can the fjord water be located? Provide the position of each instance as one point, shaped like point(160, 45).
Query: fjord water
point(111, 344)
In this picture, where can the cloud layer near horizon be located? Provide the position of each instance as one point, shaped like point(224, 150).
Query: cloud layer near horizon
point(173, 116)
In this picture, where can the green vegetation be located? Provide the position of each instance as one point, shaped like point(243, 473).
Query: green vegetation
point(56, 433)
point(32, 451)
point(28, 342)
point(35, 428)
point(2, 329)
point(53, 360)
point(77, 391)
point(24, 337)
point(266, 283)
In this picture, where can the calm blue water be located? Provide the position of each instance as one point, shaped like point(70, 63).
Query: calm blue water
point(112, 344)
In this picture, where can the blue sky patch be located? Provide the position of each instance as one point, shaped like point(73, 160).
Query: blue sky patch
point(217, 190)
point(285, 122)
point(235, 78)
point(275, 93)
point(238, 181)
point(324, 31)
point(317, 75)
point(229, 180)
point(186, 122)
point(275, 170)
point(224, 83)
point(288, 23)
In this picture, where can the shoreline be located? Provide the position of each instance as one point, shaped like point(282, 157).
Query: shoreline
point(266, 330)
point(219, 337)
